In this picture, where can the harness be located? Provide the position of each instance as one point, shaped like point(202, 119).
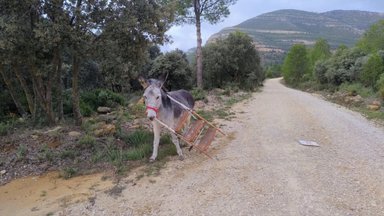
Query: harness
point(152, 108)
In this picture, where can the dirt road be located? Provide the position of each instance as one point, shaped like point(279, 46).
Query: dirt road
point(262, 170)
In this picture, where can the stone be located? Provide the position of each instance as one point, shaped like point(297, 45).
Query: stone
point(373, 107)
point(105, 130)
point(376, 102)
point(74, 134)
point(104, 110)
point(2, 172)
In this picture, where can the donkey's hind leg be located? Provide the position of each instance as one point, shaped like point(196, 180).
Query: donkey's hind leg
point(175, 141)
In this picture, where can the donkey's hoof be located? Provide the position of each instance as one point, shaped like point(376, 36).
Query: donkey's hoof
point(151, 160)
point(181, 157)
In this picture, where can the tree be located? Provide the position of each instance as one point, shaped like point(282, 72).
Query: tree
point(372, 70)
point(320, 51)
point(373, 38)
point(174, 65)
point(296, 64)
point(196, 11)
point(232, 61)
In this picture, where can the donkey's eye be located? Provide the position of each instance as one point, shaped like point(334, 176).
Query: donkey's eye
point(157, 98)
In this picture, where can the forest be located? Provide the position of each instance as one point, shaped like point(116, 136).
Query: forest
point(61, 59)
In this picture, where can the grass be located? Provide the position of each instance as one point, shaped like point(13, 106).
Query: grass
point(68, 172)
point(21, 152)
point(4, 128)
point(369, 114)
point(137, 138)
point(46, 154)
point(87, 141)
point(208, 115)
point(68, 153)
point(357, 89)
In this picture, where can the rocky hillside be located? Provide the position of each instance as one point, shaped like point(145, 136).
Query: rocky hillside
point(275, 32)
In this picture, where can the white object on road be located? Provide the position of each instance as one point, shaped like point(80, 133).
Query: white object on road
point(308, 143)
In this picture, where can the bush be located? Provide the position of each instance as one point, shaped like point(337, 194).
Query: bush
point(198, 94)
point(356, 89)
point(372, 70)
point(102, 97)
point(4, 128)
point(87, 141)
point(380, 86)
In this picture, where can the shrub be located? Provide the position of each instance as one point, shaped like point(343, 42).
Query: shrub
point(4, 128)
point(372, 70)
point(198, 94)
point(380, 86)
point(357, 89)
point(87, 141)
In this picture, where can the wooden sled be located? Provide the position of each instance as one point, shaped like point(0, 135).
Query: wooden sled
point(199, 135)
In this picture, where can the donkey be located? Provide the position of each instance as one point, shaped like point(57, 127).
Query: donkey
point(158, 105)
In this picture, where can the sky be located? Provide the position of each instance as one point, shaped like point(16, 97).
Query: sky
point(184, 37)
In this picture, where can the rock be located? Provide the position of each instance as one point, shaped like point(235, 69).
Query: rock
point(2, 172)
point(376, 102)
point(373, 107)
point(353, 99)
point(74, 134)
point(106, 118)
point(54, 130)
point(103, 110)
point(106, 129)
point(34, 137)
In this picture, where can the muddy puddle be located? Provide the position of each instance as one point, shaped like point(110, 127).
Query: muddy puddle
point(46, 194)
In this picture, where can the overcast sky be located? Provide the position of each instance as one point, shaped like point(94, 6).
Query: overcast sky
point(184, 37)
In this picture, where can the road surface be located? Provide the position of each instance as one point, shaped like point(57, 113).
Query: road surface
point(262, 170)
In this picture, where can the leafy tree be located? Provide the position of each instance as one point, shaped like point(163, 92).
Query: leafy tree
point(233, 60)
point(174, 65)
point(196, 11)
point(46, 46)
point(373, 39)
point(372, 70)
point(296, 64)
point(320, 51)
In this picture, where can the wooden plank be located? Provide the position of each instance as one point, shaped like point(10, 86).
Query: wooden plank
point(182, 121)
point(207, 139)
point(194, 130)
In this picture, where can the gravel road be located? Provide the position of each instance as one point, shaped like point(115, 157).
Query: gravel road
point(262, 170)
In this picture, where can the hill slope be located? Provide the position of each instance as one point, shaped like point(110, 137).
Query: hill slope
point(275, 32)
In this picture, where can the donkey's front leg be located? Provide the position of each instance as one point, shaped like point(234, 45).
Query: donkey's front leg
point(156, 140)
point(175, 140)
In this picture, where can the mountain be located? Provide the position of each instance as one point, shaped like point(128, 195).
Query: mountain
point(275, 32)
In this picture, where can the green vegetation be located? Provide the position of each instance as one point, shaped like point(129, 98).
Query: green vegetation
point(357, 71)
point(279, 30)
point(296, 65)
point(232, 61)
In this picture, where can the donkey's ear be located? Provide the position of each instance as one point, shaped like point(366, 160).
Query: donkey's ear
point(143, 82)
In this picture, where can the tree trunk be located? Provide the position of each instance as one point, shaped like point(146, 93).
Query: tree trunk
point(199, 53)
point(13, 94)
point(44, 97)
point(25, 88)
point(75, 90)
point(59, 84)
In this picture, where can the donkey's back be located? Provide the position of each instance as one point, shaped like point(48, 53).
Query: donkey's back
point(183, 97)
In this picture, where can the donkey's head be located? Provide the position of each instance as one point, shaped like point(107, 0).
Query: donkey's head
point(152, 97)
